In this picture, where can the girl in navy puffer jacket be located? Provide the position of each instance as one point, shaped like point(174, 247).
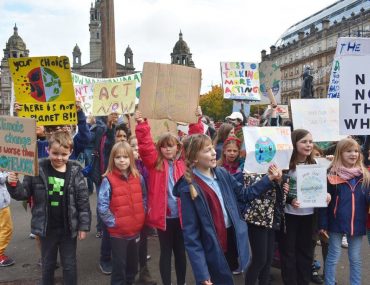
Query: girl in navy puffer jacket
point(349, 187)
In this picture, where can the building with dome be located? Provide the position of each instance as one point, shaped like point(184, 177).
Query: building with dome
point(312, 43)
point(94, 67)
point(14, 48)
point(181, 53)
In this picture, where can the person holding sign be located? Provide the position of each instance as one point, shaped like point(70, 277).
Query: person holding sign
point(296, 242)
point(61, 210)
point(216, 238)
point(349, 187)
point(165, 166)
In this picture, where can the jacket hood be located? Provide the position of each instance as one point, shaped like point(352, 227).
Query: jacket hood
point(181, 185)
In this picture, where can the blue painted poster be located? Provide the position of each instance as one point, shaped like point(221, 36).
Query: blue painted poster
point(265, 146)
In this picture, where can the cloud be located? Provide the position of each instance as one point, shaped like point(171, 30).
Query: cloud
point(215, 30)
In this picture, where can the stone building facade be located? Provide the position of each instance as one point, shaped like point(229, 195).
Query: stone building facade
point(312, 43)
point(14, 48)
point(181, 53)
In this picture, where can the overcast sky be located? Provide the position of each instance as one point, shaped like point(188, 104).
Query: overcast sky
point(215, 30)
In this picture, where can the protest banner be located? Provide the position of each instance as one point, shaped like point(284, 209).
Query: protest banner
point(84, 94)
point(18, 145)
point(346, 46)
point(87, 83)
point(270, 77)
point(241, 105)
point(253, 122)
point(265, 146)
point(170, 91)
point(311, 186)
point(282, 110)
point(354, 102)
point(240, 80)
point(319, 116)
point(43, 86)
point(114, 98)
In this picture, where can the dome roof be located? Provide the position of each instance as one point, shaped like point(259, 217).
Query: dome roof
point(15, 41)
point(181, 46)
point(76, 49)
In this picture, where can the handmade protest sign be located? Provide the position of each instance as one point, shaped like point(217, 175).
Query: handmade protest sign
point(282, 110)
point(319, 116)
point(270, 77)
point(160, 127)
point(346, 46)
point(354, 102)
point(253, 122)
point(265, 146)
point(240, 80)
point(114, 98)
point(170, 91)
point(43, 86)
point(18, 150)
point(311, 186)
point(84, 94)
point(81, 81)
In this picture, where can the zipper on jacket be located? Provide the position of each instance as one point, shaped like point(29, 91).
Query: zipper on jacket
point(336, 207)
point(353, 212)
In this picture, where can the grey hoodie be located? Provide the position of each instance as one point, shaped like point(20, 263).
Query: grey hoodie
point(4, 194)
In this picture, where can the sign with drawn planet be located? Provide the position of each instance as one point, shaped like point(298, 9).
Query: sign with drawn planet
point(43, 87)
point(265, 146)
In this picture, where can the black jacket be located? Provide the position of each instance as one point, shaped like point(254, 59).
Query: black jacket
point(77, 199)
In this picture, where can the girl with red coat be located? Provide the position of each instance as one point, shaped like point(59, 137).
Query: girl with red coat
point(165, 166)
point(121, 206)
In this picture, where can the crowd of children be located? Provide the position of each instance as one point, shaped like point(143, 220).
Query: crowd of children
point(195, 195)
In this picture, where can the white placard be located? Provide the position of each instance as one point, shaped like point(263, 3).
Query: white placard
point(265, 146)
point(346, 46)
point(311, 186)
point(319, 116)
point(354, 102)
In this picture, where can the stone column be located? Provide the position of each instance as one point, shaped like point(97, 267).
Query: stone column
point(108, 44)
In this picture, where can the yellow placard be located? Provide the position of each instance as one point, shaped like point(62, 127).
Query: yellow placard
point(114, 97)
point(43, 85)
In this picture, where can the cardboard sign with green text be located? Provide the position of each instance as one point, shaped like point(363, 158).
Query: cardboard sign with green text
point(18, 145)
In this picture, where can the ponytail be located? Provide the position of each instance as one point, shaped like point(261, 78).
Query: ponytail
point(188, 175)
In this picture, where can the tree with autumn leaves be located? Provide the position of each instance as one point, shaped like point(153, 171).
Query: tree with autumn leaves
point(214, 105)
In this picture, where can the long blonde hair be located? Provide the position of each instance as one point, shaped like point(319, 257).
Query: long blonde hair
point(125, 148)
point(342, 146)
point(164, 140)
point(192, 146)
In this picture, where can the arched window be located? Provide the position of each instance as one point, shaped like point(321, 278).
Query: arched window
point(97, 35)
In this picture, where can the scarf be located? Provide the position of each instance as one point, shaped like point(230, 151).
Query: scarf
point(216, 212)
point(348, 173)
point(232, 167)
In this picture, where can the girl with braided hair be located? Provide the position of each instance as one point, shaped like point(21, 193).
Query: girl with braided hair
point(215, 235)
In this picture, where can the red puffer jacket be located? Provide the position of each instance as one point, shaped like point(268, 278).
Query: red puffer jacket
point(158, 179)
point(126, 205)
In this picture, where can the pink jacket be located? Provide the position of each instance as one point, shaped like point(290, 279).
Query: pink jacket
point(158, 179)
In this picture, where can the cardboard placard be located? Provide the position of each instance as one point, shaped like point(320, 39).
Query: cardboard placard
point(18, 145)
point(240, 80)
point(114, 98)
point(282, 110)
point(43, 86)
point(270, 77)
point(265, 146)
point(354, 102)
point(170, 91)
point(311, 186)
point(319, 116)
